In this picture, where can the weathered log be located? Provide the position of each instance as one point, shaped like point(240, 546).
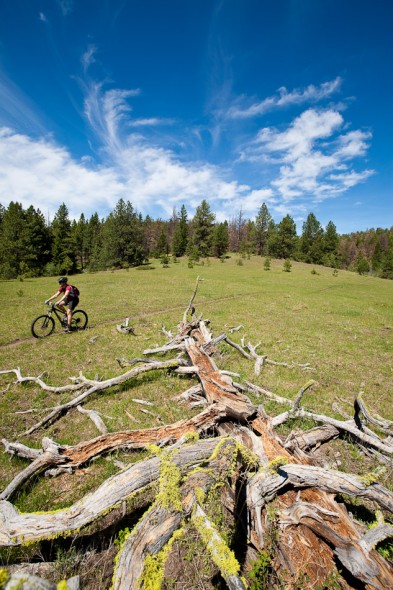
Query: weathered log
point(17, 528)
point(75, 456)
point(172, 505)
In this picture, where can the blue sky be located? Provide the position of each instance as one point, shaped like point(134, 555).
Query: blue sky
point(241, 102)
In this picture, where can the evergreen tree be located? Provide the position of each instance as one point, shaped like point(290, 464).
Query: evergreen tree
point(37, 244)
point(180, 236)
point(162, 245)
point(362, 266)
point(330, 245)
point(81, 238)
point(202, 224)
point(12, 244)
point(123, 237)
point(63, 247)
point(311, 246)
point(285, 239)
point(220, 239)
point(387, 265)
point(262, 224)
point(94, 243)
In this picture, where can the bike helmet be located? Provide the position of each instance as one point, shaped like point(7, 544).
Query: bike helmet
point(62, 280)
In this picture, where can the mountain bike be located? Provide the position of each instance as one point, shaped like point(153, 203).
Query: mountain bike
point(44, 325)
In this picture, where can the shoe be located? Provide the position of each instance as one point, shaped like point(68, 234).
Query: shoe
point(67, 330)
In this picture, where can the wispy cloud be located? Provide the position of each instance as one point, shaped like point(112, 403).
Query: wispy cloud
point(150, 122)
point(314, 155)
point(88, 58)
point(43, 17)
point(66, 6)
point(309, 160)
point(16, 109)
point(283, 98)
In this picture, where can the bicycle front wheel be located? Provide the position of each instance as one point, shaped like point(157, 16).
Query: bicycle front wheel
point(79, 320)
point(42, 326)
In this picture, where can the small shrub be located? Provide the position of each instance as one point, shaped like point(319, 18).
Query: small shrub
point(287, 265)
point(266, 264)
point(314, 272)
point(239, 262)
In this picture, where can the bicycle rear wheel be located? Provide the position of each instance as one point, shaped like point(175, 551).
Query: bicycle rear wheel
point(79, 320)
point(42, 326)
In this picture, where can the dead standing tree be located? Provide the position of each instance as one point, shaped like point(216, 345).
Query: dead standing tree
point(294, 532)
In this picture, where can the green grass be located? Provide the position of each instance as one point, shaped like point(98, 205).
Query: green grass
point(342, 325)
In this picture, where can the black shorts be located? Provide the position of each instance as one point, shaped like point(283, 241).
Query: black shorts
point(71, 303)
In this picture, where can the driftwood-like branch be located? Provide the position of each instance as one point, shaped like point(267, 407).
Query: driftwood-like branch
point(53, 455)
point(17, 528)
point(346, 427)
point(360, 408)
point(100, 386)
point(96, 419)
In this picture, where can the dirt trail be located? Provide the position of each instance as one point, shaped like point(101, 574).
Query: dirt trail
point(18, 341)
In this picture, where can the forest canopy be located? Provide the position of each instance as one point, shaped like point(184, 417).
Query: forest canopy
point(32, 246)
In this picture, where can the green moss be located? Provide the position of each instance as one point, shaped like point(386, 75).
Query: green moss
point(222, 556)
point(153, 572)
point(4, 577)
point(273, 465)
point(169, 483)
point(192, 436)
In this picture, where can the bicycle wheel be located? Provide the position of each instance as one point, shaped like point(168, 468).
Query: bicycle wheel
point(79, 320)
point(42, 326)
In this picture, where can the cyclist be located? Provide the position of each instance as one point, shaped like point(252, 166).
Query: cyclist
point(68, 301)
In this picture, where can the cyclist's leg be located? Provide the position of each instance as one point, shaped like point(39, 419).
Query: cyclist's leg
point(70, 307)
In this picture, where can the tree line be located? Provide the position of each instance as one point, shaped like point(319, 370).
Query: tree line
point(30, 246)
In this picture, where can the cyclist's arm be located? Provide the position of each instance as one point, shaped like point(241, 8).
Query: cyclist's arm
point(53, 296)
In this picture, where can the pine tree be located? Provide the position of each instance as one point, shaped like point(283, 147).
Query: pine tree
point(330, 245)
point(63, 247)
point(311, 246)
point(220, 239)
point(12, 243)
point(123, 237)
point(202, 224)
point(262, 223)
point(180, 236)
point(285, 239)
point(37, 242)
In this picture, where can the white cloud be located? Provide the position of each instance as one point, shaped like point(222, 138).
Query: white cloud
point(45, 175)
point(43, 18)
point(311, 158)
point(314, 158)
point(150, 122)
point(310, 94)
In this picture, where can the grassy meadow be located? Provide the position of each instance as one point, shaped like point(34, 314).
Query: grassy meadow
point(342, 325)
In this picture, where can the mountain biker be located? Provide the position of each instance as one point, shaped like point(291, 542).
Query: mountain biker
point(68, 301)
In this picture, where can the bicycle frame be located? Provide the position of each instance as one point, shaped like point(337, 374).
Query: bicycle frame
point(54, 309)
